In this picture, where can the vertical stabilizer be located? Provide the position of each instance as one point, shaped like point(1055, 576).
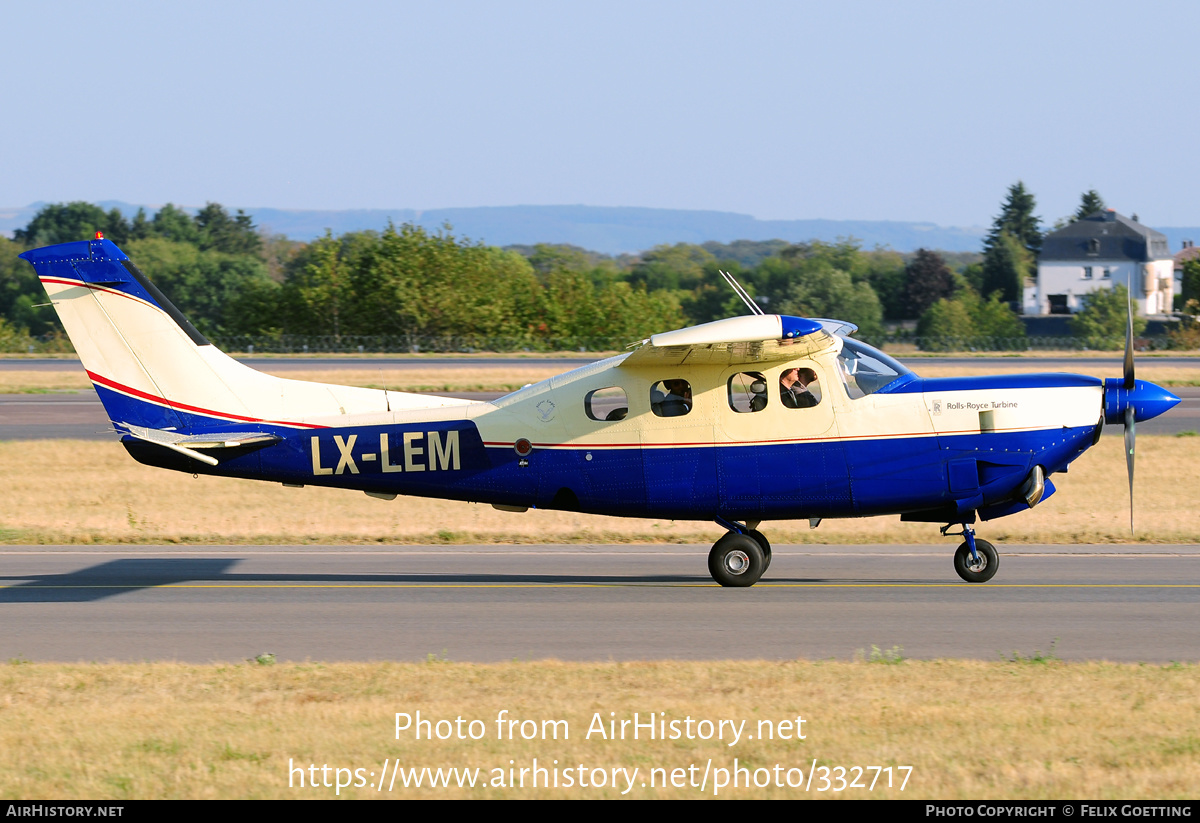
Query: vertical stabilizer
point(153, 369)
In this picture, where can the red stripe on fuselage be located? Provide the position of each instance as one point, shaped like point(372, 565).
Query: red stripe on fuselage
point(141, 395)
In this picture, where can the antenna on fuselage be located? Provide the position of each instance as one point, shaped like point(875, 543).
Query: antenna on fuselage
point(740, 292)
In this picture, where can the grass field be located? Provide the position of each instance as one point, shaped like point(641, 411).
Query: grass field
point(1026, 727)
point(92, 492)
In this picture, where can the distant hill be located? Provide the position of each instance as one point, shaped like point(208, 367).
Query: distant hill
point(612, 230)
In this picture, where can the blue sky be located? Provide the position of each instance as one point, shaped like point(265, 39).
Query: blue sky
point(782, 110)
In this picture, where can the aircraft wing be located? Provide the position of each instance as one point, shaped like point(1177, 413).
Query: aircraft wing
point(188, 443)
point(749, 339)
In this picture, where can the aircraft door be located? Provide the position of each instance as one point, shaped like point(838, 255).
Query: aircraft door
point(677, 436)
point(779, 455)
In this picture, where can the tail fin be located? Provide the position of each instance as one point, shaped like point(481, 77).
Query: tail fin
point(153, 369)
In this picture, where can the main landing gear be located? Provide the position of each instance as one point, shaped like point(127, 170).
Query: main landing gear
point(976, 561)
point(740, 557)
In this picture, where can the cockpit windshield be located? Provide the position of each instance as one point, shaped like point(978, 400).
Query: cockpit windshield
point(866, 370)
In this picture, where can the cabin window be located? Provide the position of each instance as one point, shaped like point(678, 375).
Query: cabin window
point(606, 404)
point(866, 370)
point(671, 398)
point(747, 392)
point(799, 388)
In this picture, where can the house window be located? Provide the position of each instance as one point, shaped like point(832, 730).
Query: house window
point(1094, 246)
point(1107, 272)
point(1087, 272)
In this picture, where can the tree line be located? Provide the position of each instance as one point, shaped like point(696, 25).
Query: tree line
point(231, 279)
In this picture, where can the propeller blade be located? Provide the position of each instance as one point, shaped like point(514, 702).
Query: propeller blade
point(1130, 436)
point(1129, 336)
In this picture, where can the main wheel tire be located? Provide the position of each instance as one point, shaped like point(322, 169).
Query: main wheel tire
point(736, 560)
point(763, 544)
point(980, 571)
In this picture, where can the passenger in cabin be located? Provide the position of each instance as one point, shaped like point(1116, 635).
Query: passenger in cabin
point(676, 402)
point(794, 391)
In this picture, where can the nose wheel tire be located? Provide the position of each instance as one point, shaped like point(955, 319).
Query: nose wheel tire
point(977, 571)
point(736, 560)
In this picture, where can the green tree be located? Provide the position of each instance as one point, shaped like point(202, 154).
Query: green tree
point(1090, 202)
point(967, 321)
point(747, 253)
point(22, 299)
point(173, 223)
point(207, 286)
point(14, 338)
point(548, 257)
point(678, 267)
point(821, 290)
point(69, 222)
point(1006, 266)
point(946, 326)
point(219, 231)
point(927, 280)
point(1017, 219)
point(1186, 333)
point(1190, 289)
point(141, 227)
point(319, 284)
point(1102, 320)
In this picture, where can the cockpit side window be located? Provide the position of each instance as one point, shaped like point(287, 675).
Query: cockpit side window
point(671, 398)
point(747, 392)
point(606, 404)
point(866, 370)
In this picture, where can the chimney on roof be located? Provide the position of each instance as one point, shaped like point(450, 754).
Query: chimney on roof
point(1110, 215)
point(1187, 244)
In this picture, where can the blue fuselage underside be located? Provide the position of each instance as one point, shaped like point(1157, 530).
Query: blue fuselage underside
point(834, 478)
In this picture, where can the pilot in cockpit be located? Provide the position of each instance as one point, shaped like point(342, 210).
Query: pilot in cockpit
point(796, 388)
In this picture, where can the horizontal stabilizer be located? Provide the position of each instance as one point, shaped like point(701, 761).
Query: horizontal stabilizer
point(186, 444)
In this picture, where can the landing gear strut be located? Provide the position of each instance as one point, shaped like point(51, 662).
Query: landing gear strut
point(976, 561)
point(740, 557)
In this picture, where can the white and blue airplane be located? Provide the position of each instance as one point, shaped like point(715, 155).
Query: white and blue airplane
point(739, 421)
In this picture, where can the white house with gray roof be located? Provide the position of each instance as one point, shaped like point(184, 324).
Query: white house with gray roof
point(1098, 252)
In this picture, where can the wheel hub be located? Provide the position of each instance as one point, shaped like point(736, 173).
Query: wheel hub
point(737, 561)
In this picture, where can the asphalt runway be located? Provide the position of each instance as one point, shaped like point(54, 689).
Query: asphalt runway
point(491, 603)
point(80, 416)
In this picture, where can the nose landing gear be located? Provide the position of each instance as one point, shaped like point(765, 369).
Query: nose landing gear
point(976, 561)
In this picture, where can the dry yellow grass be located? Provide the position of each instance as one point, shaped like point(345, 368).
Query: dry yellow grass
point(424, 379)
point(969, 730)
point(86, 492)
point(36, 381)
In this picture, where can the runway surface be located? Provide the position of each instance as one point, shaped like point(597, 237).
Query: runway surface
point(80, 416)
point(491, 603)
